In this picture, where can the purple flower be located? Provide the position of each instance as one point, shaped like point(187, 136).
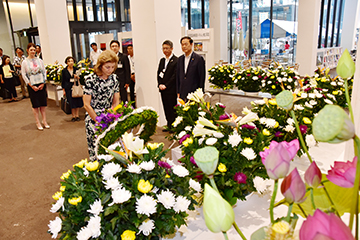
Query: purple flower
point(220, 105)
point(225, 82)
point(240, 177)
point(303, 129)
point(192, 160)
point(183, 138)
point(293, 188)
point(307, 89)
point(224, 116)
point(164, 164)
point(248, 75)
point(279, 134)
point(248, 126)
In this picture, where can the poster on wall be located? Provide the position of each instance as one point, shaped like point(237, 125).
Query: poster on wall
point(125, 42)
point(198, 46)
point(103, 46)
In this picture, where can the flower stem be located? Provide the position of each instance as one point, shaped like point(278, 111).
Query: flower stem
point(347, 96)
point(289, 212)
point(354, 207)
point(239, 231)
point(300, 135)
point(302, 210)
point(213, 184)
point(332, 203)
point(273, 201)
point(312, 198)
point(225, 236)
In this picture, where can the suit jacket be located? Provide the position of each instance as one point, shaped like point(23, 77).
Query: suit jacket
point(169, 76)
point(194, 77)
point(123, 72)
point(66, 84)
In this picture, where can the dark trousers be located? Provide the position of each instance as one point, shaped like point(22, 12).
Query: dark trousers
point(132, 92)
point(10, 86)
point(123, 93)
point(169, 102)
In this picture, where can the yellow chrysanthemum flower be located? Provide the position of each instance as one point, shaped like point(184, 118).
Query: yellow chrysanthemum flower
point(128, 235)
point(276, 125)
point(154, 146)
point(188, 141)
point(62, 188)
point(144, 186)
point(75, 200)
point(222, 167)
point(117, 107)
point(65, 175)
point(273, 86)
point(57, 195)
point(186, 108)
point(306, 120)
point(272, 101)
point(335, 92)
point(92, 166)
point(248, 140)
point(81, 163)
point(266, 132)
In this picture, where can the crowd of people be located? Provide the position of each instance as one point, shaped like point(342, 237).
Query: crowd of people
point(114, 73)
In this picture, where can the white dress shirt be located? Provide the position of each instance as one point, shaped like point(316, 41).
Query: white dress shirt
point(187, 61)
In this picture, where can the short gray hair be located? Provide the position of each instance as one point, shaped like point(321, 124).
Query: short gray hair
point(168, 42)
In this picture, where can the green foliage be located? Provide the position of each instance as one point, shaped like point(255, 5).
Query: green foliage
point(250, 80)
point(222, 76)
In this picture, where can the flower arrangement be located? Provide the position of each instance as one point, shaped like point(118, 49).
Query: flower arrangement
point(279, 78)
point(250, 80)
point(85, 69)
point(138, 194)
point(222, 76)
point(53, 72)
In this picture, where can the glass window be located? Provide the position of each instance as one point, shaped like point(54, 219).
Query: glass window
point(89, 10)
point(111, 10)
point(79, 10)
point(125, 10)
point(100, 10)
point(184, 14)
point(70, 10)
point(207, 17)
point(195, 8)
point(82, 45)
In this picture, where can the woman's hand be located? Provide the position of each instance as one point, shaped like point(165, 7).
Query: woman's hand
point(64, 93)
point(76, 76)
point(34, 88)
point(41, 86)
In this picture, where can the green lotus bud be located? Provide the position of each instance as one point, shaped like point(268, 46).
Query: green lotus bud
point(285, 100)
point(346, 66)
point(218, 213)
point(333, 125)
point(207, 159)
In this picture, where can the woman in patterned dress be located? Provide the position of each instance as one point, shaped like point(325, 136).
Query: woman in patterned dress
point(101, 92)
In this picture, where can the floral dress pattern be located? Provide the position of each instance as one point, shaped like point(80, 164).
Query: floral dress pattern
point(102, 94)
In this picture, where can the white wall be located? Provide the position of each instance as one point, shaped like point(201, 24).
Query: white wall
point(219, 22)
point(5, 34)
point(104, 38)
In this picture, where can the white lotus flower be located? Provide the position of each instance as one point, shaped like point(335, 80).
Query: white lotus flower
point(55, 227)
point(96, 208)
point(134, 168)
point(120, 195)
point(112, 183)
point(109, 170)
point(310, 140)
point(146, 205)
point(177, 121)
point(199, 130)
point(234, 139)
point(84, 234)
point(195, 185)
point(147, 166)
point(182, 204)
point(210, 141)
point(94, 225)
point(248, 153)
point(180, 171)
point(59, 204)
point(167, 199)
point(137, 147)
point(146, 227)
point(207, 123)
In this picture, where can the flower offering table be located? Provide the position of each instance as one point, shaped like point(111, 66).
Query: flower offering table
point(54, 92)
point(239, 93)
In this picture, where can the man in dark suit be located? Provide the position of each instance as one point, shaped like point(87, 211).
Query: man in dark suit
point(166, 76)
point(190, 73)
point(122, 71)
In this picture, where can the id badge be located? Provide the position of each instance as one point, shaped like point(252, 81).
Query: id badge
point(72, 80)
point(161, 75)
point(119, 65)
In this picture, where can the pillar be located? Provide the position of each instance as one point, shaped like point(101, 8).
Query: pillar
point(349, 25)
point(53, 26)
point(5, 33)
point(307, 39)
point(153, 21)
point(218, 21)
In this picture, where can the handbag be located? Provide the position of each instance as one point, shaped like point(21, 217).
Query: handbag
point(65, 105)
point(77, 90)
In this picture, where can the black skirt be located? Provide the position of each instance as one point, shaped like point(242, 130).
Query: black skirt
point(39, 98)
point(74, 102)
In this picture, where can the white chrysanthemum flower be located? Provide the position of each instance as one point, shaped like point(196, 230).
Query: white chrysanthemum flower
point(310, 140)
point(195, 185)
point(311, 95)
point(167, 199)
point(188, 128)
point(146, 227)
point(181, 134)
point(298, 107)
point(134, 168)
point(146, 205)
point(234, 139)
point(328, 101)
point(201, 140)
point(218, 135)
point(270, 123)
point(269, 82)
point(248, 153)
point(96, 208)
point(147, 166)
point(259, 102)
point(55, 227)
point(304, 95)
point(331, 96)
point(182, 204)
point(202, 114)
point(114, 146)
point(177, 121)
point(94, 225)
point(56, 206)
point(180, 171)
point(290, 121)
point(210, 141)
point(313, 102)
point(289, 128)
point(86, 172)
point(255, 78)
point(261, 185)
point(262, 120)
point(112, 183)
point(333, 83)
point(109, 170)
point(84, 234)
point(106, 157)
point(120, 195)
point(308, 105)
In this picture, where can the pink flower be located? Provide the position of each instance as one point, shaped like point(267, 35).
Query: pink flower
point(324, 226)
point(343, 173)
point(303, 129)
point(293, 188)
point(313, 175)
point(192, 160)
point(277, 158)
point(183, 138)
point(240, 177)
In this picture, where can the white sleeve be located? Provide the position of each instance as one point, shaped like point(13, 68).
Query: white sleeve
point(23, 72)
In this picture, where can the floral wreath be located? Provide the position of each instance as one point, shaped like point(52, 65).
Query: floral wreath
point(146, 117)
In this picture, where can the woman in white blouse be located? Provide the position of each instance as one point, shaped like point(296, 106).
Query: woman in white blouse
point(34, 75)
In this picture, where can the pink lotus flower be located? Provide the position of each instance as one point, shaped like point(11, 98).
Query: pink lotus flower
point(343, 173)
point(313, 175)
point(324, 226)
point(277, 158)
point(293, 188)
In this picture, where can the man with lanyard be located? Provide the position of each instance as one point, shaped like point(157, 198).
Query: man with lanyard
point(122, 71)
